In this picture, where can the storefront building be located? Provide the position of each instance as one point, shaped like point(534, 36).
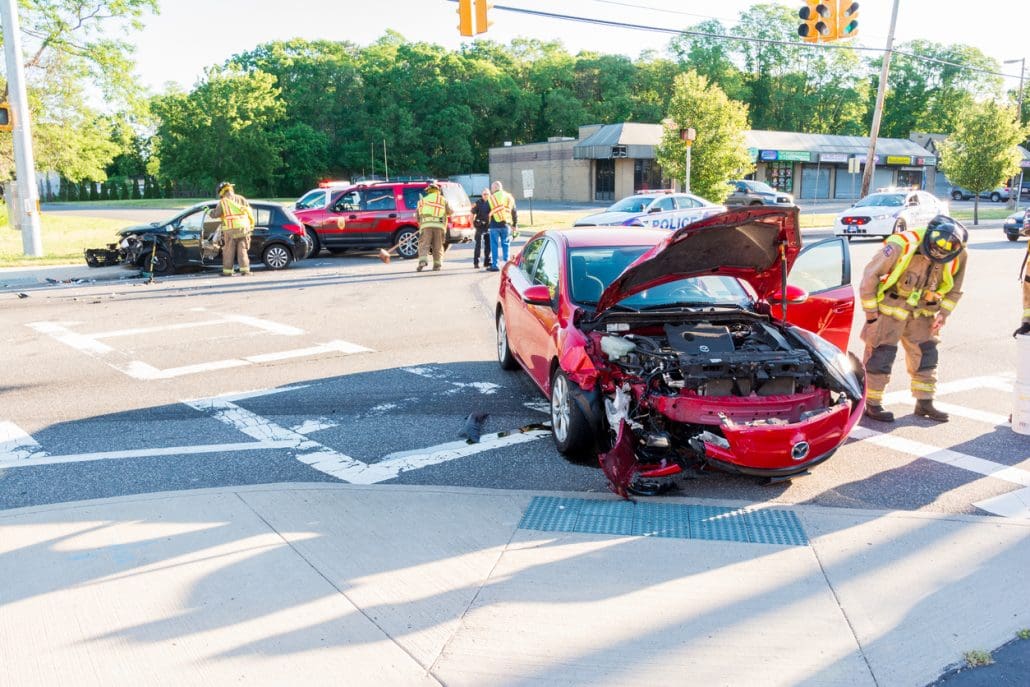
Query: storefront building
point(608, 162)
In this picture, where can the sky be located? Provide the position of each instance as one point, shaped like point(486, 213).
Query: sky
point(189, 35)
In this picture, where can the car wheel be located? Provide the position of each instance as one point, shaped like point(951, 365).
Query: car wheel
point(995, 197)
point(316, 245)
point(900, 226)
point(571, 431)
point(504, 356)
point(755, 202)
point(276, 257)
point(407, 243)
point(162, 263)
point(955, 195)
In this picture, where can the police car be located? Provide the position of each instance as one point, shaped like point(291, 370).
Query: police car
point(657, 209)
point(888, 211)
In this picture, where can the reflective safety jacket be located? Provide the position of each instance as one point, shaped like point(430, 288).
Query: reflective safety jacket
point(236, 215)
point(432, 210)
point(502, 204)
point(901, 282)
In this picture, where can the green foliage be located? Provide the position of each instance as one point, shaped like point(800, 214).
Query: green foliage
point(718, 153)
point(977, 658)
point(982, 152)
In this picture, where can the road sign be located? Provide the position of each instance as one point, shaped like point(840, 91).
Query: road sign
point(527, 180)
point(528, 193)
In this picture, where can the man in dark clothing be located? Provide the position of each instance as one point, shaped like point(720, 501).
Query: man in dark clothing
point(481, 221)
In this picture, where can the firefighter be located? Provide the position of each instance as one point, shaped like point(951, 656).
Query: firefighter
point(504, 220)
point(908, 290)
point(1024, 327)
point(237, 226)
point(432, 212)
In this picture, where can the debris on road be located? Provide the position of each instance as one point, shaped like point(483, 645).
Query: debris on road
point(473, 428)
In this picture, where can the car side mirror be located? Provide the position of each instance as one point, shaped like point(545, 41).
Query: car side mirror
point(654, 209)
point(795, 295)
point(538, 294)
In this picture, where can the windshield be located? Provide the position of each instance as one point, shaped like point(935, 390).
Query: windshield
point(882, 200)
point(632, 204)
point(311, 199)
point(591, 270)
point(761, 187)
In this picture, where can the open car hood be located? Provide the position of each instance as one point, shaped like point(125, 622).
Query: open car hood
point(743, 243)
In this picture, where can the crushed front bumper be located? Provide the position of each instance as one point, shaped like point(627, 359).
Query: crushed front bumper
point(104, 257)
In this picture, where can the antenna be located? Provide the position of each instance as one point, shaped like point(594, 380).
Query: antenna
point(384, 161)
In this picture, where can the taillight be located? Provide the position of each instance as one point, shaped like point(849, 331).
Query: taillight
point(855, 220)
point(294, 228)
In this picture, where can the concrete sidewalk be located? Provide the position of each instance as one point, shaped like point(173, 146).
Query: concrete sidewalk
point(395, 585)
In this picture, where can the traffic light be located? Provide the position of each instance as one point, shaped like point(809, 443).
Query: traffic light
point(482, 23)
point(820, 21)
point(6, 117)
point(465, 17)
point(847, 19)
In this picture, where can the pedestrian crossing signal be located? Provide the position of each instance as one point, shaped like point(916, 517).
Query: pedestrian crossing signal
point(6, 117)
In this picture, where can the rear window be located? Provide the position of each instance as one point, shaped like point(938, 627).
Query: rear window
point(456, 197)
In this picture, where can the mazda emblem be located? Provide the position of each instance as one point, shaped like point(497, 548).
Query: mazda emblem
point(703, 349)
point(799, 451)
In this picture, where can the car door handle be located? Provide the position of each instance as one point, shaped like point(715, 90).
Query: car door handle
point(352, 217)
point(392, 215)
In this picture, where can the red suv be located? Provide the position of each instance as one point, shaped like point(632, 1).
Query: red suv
point(381, 214)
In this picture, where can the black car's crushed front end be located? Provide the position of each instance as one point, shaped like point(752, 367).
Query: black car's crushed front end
point(103, 257)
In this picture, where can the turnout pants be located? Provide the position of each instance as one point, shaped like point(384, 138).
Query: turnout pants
point(235, 247)
point(430, 239)
point(881, 347)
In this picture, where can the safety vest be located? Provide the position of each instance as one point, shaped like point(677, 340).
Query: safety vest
point(236, 215)
point(431, 209)
point(500, 206)
point(909, 243)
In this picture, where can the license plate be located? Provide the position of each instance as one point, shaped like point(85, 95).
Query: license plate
point(852, 230)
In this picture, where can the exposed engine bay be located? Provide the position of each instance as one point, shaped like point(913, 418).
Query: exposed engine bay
point(695, 392)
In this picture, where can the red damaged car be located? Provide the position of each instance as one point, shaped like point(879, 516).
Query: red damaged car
point(664, 352)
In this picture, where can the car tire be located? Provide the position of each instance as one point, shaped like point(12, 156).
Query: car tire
point(995, 197)
point(406, 241)
point(163, 264)
point(276, 256)
point(316, 245)
point(755, 202)
point(900, 227)
point(955, 195)
point(572, 433)
point(504, 356)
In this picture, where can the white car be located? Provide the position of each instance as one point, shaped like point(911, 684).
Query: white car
point(888, 212)
point(632, 208)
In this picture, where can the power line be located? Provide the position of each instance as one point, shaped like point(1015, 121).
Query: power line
point(747, 39)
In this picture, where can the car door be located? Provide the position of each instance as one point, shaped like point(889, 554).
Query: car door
point(381, 205)
point(185, 241)
point(262, 225)
point(348, 222)
point(519, 322)
point(663, 204)
point(823, 269)
point(542, 320)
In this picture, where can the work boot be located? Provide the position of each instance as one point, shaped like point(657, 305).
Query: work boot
point(924, 408)
point(437, 268)
point(876, 412)
point(475, 264)
point(421, 266)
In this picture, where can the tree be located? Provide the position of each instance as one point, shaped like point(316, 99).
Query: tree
point(718, 153)
point(982, 152)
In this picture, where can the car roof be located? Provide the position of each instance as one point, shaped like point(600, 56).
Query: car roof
point(587, 237)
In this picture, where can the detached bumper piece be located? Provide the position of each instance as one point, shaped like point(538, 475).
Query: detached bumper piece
point(103, 257)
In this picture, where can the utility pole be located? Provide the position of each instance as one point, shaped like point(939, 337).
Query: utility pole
point(881, 91)
point(27, 219)
point(1014, 198)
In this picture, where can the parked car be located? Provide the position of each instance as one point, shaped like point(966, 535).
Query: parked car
point(184, 241)
point(1014, 225)
point(997, 195)
point(632, 208)
point(661, 352)
point(888, 212)
point(382, 214)
point(747, 192)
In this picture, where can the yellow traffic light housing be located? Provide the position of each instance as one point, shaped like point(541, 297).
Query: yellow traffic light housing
point(847, 19)
point(482, 22)
point(819, 19)
point(465, 17)
point(6, 117)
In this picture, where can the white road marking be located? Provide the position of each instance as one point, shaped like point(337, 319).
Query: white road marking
point(427, 372)
point(996, 382)
point(1015, 504)
point(174, 451)
point(312, 426)
point(539, 406)
point(138, 369)
point(16, 444)
point(482, 387)
point(155, 330)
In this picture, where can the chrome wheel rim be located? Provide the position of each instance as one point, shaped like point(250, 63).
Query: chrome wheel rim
point(502, 339)
point(276, 257)
point(560, 408)
point(408, 245)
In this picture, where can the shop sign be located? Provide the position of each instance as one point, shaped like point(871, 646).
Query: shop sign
point(926, 161)
point(861, 159)
point(833, 157)
point(753, 152)
point(767, 155)
point(1024, 164)
point(899, 160)
point(795, 156)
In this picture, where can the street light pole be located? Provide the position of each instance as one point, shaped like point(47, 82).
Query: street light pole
point(1014, 201)
point(27, 219)
point(688, 135)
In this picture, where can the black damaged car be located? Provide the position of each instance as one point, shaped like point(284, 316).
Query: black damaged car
point(185, 241)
